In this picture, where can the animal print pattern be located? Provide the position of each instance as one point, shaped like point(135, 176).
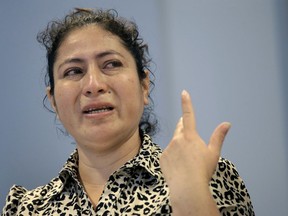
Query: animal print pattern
point(137, 188)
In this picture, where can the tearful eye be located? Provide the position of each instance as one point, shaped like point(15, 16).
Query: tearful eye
point(113, 64)
point(73, 72)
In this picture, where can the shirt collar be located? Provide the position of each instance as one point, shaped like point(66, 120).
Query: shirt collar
point(147, 158)
point(71, 167)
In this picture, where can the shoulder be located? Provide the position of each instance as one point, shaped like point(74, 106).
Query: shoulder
point(13, 200)
point(229, 190)
point(19, 199)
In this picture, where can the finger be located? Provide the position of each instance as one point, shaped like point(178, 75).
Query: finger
point(179, 127)
point(218, 136)
point(188, 115)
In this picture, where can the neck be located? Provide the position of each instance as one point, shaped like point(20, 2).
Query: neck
point(95, 167)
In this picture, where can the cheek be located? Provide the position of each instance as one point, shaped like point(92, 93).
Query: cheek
point(140, 98)
point(64, 95)
point(135, 88)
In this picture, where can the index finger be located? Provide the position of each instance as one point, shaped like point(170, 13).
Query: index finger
point(189, 121)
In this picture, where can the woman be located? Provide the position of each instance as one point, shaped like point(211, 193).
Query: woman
point(99, 87)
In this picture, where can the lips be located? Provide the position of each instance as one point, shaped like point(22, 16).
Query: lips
point(94, 109)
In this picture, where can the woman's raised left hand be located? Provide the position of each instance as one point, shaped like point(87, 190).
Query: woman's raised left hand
point(188, 164)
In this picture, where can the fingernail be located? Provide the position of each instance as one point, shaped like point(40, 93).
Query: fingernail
point(185, 93)
point(227, 126)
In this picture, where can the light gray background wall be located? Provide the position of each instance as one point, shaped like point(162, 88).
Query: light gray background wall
point(230, 55)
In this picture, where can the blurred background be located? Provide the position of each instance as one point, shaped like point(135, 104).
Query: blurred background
point(230, 55)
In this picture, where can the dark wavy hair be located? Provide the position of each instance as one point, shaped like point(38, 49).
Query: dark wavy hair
point(57, 30)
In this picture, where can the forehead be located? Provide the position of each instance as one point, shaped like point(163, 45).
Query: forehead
point(91, 34)
point(90, 39)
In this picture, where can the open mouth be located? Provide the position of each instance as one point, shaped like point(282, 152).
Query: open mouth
point(97, 110)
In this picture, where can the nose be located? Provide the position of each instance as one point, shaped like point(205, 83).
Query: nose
point(94, 83)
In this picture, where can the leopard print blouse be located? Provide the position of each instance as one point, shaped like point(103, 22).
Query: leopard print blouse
point(137, 188)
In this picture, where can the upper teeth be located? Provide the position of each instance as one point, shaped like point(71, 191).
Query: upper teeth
point(96, 110)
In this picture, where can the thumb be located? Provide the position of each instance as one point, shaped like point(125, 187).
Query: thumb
point(218, 136)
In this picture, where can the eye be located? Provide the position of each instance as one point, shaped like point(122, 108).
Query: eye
point(112, 64)
point(71, 72)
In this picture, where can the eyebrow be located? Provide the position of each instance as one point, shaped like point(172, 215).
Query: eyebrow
point(99, 55)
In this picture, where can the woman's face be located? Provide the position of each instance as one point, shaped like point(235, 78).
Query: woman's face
point(98, 96)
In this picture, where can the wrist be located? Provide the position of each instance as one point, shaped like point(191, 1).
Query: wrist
point(194, 201)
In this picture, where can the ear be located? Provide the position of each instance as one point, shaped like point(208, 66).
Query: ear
point(51, 99)
point(146, 87)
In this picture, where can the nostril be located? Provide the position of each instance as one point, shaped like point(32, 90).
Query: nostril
point(101, 91)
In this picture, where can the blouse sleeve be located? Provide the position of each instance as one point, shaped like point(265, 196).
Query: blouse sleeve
point(13, 200)
point(229, 190)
